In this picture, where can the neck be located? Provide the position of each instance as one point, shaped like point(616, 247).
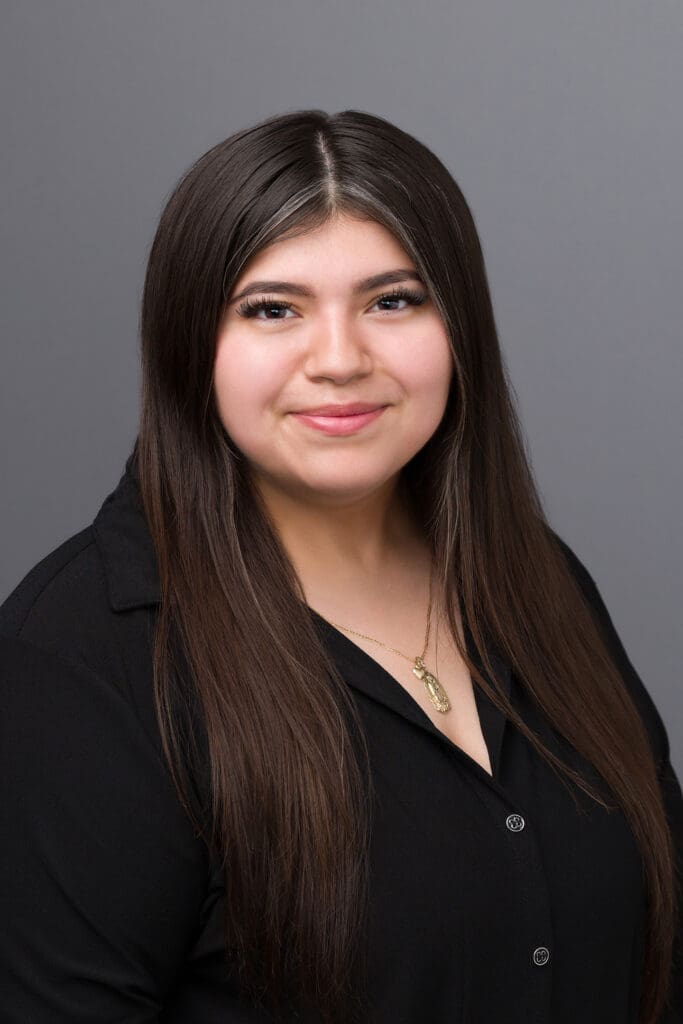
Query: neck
point(351, 541)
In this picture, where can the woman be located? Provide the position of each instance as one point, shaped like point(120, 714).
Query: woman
point(319, 719)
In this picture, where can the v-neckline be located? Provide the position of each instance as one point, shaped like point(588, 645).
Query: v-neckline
point(373, 679)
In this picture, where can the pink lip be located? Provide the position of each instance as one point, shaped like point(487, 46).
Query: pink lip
point(339, 424)
point(342, 409)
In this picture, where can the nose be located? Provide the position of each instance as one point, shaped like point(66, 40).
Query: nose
point(337, 351)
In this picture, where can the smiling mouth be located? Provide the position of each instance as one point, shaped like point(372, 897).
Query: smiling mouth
point(340, 424)
point(350, 409)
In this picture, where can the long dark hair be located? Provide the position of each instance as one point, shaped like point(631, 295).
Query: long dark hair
point(288, 816)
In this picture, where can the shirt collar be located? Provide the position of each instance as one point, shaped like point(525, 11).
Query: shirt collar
point(125, 543)
point(131, 570)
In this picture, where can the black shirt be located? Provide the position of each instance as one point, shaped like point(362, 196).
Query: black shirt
point(493, 900)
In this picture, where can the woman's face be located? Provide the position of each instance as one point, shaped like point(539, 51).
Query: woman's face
point(338, 343)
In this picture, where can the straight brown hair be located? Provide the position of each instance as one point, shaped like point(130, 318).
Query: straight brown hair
point(247, 697)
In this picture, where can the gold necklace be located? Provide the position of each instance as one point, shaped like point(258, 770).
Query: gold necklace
point(435, 690)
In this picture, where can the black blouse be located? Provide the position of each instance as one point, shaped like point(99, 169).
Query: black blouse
point(493, 900)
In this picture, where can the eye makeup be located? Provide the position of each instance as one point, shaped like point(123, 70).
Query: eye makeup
point(250, 307)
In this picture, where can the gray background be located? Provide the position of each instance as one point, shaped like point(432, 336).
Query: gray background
point(561, 123)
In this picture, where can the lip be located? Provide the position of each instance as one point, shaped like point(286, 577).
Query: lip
point(347, 409)
point(339, 425)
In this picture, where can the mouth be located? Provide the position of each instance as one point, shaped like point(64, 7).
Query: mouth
point(347, 409)
point(338, 424)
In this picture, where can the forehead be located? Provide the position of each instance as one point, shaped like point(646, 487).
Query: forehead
point(340, 253)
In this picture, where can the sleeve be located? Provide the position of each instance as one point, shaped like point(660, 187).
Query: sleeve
point(673, 803)
point(668, 779)
point(101, 878)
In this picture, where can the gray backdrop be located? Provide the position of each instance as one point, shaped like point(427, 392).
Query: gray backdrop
point(561, 123)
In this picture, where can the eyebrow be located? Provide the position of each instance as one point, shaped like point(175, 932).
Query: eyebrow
point(366, 284)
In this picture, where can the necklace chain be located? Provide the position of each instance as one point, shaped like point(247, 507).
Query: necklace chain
point(435, 690)
point(407, 657)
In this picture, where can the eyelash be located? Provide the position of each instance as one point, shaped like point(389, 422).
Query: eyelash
point(249, 308)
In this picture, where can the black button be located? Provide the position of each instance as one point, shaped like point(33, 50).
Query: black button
point(541, 956)
point(515, 822)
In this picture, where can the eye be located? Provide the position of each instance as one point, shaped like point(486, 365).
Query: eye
point(413, 298)
point(250, 307)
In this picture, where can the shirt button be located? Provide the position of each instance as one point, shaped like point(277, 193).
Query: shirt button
point(541, 956)
point(515, 822)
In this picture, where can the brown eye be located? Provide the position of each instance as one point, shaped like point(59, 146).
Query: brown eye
point(249, 308)
point(413, 298)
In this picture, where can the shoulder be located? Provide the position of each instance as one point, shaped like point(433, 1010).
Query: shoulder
point(637, 688)
point(59, 586)
point(61, 608)
point(68, 697)
point(76, 675)
point(64, 612)
point(577, 567)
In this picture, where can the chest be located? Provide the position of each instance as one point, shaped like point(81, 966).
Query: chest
point(461, 723)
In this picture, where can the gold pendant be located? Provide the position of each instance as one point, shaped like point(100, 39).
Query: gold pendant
point(435, 690)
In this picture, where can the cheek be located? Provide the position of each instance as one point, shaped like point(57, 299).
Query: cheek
point(427, 383)
point(246, 382)
point(427, 373)
point(235, 385)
